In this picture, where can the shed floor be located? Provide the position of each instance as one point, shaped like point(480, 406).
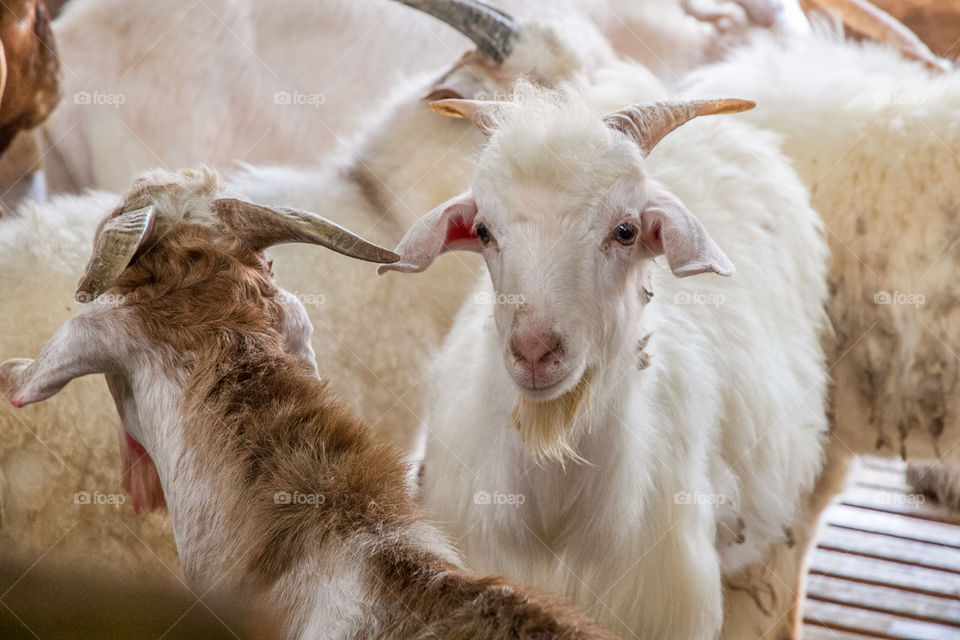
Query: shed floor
point(887, 564)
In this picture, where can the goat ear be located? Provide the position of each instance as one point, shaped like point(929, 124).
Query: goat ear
point(480, 112)
point(670, 229)
point(84, 345)
point(449, 227)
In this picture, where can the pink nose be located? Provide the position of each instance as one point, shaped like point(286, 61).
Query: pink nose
point(536, 349)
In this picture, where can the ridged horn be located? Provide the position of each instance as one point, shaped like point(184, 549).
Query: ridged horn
point(116, 244)
point(648, 122)
point(261, 227)
point(492, 30)
point(876, 24)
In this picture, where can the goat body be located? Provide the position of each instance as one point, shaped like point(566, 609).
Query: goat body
point(703, 416)
point(274, 489)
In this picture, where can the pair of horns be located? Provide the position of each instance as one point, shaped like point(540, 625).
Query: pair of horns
point(121, 238)
point(492, 30)
point(646, 123)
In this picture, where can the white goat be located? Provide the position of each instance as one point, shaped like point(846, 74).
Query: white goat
point(876, 139)
point(693, 410)
point(275, 490)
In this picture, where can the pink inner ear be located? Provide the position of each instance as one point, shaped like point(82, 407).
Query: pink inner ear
point(140, 478)
point(459, 234)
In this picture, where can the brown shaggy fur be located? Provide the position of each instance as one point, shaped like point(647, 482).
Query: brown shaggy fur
point(33, 70)
point(261, 423)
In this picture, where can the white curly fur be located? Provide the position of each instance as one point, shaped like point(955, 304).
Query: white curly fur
point(732, 403)
point(877, 140)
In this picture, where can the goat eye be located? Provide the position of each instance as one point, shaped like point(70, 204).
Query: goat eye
point(483, 234)
point(625, 234)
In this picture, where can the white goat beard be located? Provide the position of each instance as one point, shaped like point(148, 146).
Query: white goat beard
point(543, 425)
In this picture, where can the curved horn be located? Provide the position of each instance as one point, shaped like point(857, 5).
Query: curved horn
point(116, 245)
point(648, 122)
point(876, 24)
point(492, 30)
point(262, 227)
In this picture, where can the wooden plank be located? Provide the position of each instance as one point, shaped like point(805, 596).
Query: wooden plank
point(913, 505)
point(894, 549)
point(893, 525)
point(881, 479)
point(885, 573)
point(883, 464)
point(885, 599)
point(816, 632)
point(872, 623)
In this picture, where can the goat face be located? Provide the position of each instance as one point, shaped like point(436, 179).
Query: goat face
point(565, 216)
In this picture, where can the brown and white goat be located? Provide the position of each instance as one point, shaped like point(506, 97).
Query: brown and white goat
point(275, 490)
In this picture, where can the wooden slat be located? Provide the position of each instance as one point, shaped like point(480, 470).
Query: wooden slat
point(883, 464)
point(893, 525)
point(882, 479)
point(812, 632)
point(887, 564)
point(882, 572)
point(895, 549)
point(913, 505)
point(872, 623)
point(885, 599)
